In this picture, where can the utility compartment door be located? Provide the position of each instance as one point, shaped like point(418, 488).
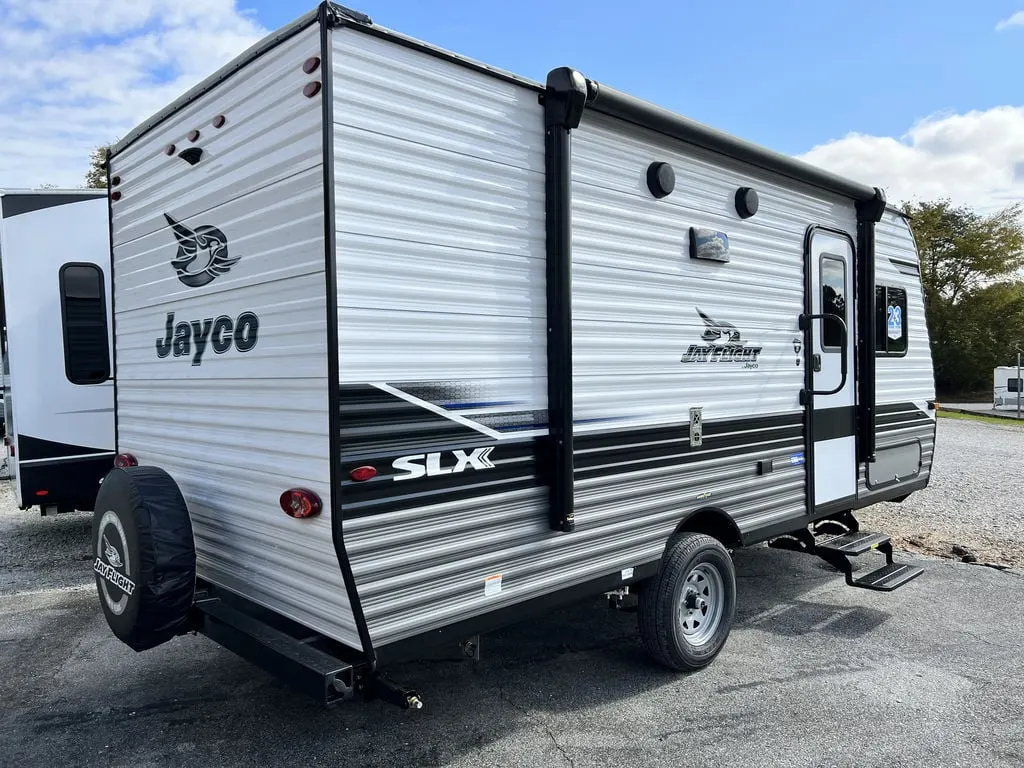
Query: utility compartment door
point(831, 360)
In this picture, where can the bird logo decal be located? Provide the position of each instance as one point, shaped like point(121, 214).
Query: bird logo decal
point(112, 557)
point(202, 253)
point(715, 331)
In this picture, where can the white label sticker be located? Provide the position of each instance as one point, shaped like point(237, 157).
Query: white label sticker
point(627, 573)
point(492, 584)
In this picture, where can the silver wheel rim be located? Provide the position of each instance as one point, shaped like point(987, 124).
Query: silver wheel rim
point(702, 604)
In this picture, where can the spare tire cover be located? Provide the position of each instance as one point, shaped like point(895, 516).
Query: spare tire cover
point(145, 562)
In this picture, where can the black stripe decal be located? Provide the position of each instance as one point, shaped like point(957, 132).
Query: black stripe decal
point(519, 465)
point(833, 423)
point(70, 484)
point(36, 448)
point(17, 204)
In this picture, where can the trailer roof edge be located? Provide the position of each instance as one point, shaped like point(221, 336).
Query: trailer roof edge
point(647, 115)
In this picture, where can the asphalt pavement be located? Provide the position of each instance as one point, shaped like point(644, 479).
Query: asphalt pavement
point(814, 674)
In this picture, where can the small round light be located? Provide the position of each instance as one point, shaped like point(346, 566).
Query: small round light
point(300, 503)
point(661, 179)
point(219, 120)
point(115, 195)
point(310, 65)
point(747, 202)
point(169, 150)
point(115, 181)
point(362, 474)
point(311, 89)
point(193, 135)
point(125, 460)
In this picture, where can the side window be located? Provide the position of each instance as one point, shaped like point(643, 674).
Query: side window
point(890, 321)
point(84, 315)
point(833, 301)
point(1014, 385)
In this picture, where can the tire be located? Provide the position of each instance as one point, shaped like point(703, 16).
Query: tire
point(145, 560)
point(695, 568)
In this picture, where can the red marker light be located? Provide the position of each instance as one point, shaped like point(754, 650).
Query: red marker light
point(362, 474)
point(125, 460)
point(311, 89)
point(219, 120)
point(300, 503)
point(42, 493)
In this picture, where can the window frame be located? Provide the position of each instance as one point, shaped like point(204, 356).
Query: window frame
point(64, 322)
point(882, 322)
point(826, 255)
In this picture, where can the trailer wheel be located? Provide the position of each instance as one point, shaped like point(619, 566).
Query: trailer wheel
point(145, 560)
point(686, 611)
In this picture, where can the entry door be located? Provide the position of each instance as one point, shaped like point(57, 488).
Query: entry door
point(830, 265)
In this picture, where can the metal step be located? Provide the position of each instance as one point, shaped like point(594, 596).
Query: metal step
point(888, 577)
point(853, 544)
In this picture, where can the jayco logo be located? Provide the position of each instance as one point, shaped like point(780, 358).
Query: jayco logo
point(723, 344)
point(202, 254)
point(222, 334)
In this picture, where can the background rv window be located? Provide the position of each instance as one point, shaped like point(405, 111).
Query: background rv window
point(890, 321)
point(833, 301)
point(1014, 385)
point(84, 315)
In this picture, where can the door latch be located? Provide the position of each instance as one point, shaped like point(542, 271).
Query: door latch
point(816, 362)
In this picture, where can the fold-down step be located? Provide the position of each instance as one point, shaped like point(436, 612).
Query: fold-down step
point(854, 544)
point(888, 577)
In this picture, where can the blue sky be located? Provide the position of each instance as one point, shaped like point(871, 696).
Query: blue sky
point(923, 98)
point(784, 73)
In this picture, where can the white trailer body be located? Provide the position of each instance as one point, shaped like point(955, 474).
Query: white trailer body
point(510, 367)
point(1007, 387)
point(58, 392)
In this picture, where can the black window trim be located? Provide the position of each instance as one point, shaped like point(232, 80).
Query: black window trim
point(906, 327)
point(64, 321)
point(821, 290)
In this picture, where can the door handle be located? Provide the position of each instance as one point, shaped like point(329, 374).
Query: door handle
point(816, 362)
point(805, 321)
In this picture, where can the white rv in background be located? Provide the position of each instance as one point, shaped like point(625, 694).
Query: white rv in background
point(58, 388)
point(408, 348)
point(1007, 388)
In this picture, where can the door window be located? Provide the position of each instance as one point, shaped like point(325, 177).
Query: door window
point(833, 301)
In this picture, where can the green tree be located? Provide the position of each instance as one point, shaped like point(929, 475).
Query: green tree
point(96, 176)
point(971, 271)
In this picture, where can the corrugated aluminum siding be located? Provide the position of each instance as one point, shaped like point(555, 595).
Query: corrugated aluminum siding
point(241, 426)
point(904, 385)
point(440, 226)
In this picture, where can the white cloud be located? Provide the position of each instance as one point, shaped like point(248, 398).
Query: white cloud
point(975, 159)
point(78, 73)
point(1016, 20)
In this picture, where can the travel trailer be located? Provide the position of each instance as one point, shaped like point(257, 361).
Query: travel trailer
point(407, 348)
point(1007, 391)
point(55, 312)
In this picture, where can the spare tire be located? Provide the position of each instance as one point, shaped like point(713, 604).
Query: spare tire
point(145, 557)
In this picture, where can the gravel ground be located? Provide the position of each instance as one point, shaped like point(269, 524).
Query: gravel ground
point(974, 504)
point(814, 675)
